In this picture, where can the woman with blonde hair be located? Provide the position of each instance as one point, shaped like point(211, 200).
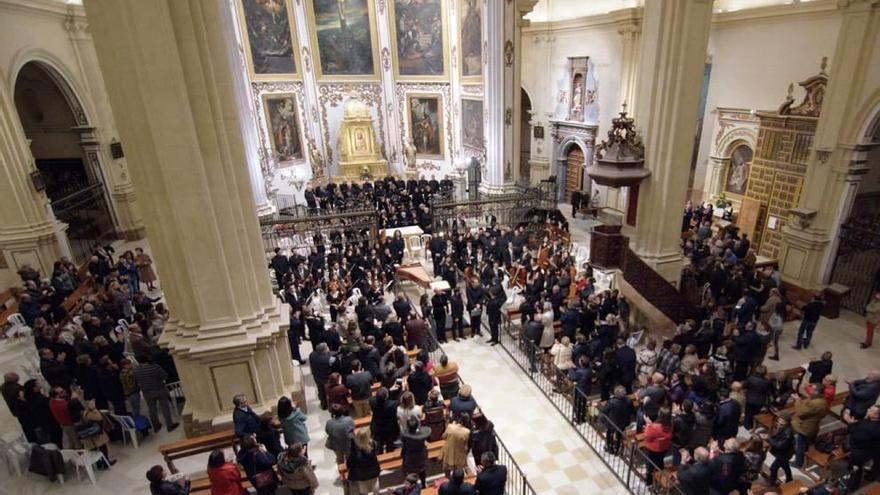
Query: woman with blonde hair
point(363, 465)
point(407, 409)
point(561, 352)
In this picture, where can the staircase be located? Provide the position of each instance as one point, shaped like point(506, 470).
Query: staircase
point(609, 249)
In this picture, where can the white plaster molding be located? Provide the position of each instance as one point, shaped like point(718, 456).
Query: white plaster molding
point(43, 7)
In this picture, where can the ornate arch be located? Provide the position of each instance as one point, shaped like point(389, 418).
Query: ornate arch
point(565, 146)
point(60, 75)
point(734, 138)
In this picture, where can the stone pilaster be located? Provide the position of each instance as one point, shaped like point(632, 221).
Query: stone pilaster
point(493, 96)
point(101, 132)
point(629, 26)
point(836, 161)
point(675, 34)
point(167, 66)
point(717, 166)
point(28, 234)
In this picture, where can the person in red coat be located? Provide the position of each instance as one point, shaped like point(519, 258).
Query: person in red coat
point(225, 476)
point(658, 438)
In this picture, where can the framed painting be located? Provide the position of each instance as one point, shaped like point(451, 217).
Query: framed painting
point(344, 36)
point(472, 123)
point(470, 43)
point(283, 126)
point(418, 40)
point(426, 124)
point(269, 38)
point(737, 180)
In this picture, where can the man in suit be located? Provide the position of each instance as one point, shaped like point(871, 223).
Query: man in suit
point(576, 197)
point(439, 307)
point(402, 307)
point(320, 363)
point(812, 312)
point(626, 363)
point(281, 265)
point(493, 308)
point(727, 422)
point(456, 485)
point(492, 477)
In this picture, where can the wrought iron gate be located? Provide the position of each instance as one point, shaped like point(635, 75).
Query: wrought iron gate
point(857, 266)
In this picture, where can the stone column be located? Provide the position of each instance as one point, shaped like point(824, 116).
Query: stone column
point(629, 26)
point(523, 7)
point(674, 40)
point(168, 66)
point(716, 179)
point(96, 139)
point(837, 157)
point(27, 232)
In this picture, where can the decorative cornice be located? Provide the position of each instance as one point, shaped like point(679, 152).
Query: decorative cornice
point(44, 7)
point(771, 12)
point(719, 19)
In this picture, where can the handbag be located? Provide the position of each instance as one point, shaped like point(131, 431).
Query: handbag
point(476, 313)
point(266, 479)
point(88, 430)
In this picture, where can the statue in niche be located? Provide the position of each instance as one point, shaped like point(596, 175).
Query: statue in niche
point(409, 150)
point(577, 97)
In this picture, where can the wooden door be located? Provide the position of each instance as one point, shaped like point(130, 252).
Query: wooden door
point(574, 170)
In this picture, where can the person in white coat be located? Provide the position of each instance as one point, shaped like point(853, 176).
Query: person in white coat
point(547, 336)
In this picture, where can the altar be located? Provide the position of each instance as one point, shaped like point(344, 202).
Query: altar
point(359, 156)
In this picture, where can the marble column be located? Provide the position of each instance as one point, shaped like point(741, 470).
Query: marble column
point(675, 35)
point(97, 137)
point(168, 66)
point(838, 156)
point(249, 125)
point(27, 231)
point(493, 97)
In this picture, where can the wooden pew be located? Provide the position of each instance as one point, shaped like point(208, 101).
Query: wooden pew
point(203, 485)
point(391, 461)
point(198, 445)
point(431, 490)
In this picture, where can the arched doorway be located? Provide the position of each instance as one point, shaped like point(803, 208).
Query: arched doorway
point(857, 261)
point(525, 137)
point(574, 171)
point(56, 126)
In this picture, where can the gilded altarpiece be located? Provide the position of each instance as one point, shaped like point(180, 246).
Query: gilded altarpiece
point(777, 174)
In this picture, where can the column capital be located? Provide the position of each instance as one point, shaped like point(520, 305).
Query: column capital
point(524, 7)
point(857, 4)
point(628, 21)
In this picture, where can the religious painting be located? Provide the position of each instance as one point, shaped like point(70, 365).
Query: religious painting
point(418, 39)
point(472, 123)
point(281, 120)
point(270, 43)
point(345, 38)
point(471, 38)
point(426, 124)
point(738, 170)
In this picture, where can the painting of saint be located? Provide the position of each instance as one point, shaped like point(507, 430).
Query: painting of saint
point(418, 31)
point(269, 37)
point(345, 37)
point(426, 125)
point(281, 117)
point(471, 45)
point(472, 123)
point(738, 170)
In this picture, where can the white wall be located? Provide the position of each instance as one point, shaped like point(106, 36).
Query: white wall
point(753, 63)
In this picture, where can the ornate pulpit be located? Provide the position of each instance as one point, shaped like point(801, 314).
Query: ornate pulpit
point(359, 156)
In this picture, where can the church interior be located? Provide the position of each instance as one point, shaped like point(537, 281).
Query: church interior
point(420, 247)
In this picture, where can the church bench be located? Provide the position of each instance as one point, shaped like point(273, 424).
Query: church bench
point(792, 487)
point(390, 461)
point(822, 459)
point(197, 445)
point(433, 490)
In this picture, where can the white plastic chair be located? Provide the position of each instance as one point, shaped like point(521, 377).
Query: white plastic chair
point(123, 323)
point(15, 451)
point(126, 423)
point(634, 339)
point(17, 326)
point(84, 460)
point(415, 245)
point(130, 356)
point(425, 238)
point(175, 392)
point(355, 297)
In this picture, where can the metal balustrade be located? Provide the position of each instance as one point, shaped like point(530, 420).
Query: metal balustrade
point(627, 462)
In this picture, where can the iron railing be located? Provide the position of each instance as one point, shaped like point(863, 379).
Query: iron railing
point(628, 462)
